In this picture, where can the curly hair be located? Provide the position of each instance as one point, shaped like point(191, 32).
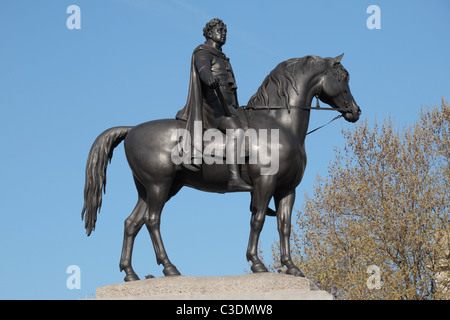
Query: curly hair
point(211, 25)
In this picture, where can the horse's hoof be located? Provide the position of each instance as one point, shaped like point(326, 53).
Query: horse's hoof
point(294, 271)
point(131, 277)
point(171, 271)
point(258, 268)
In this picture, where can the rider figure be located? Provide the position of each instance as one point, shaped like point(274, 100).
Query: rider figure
point(212, 91)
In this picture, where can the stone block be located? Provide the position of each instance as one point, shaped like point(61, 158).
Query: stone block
point(256, 286)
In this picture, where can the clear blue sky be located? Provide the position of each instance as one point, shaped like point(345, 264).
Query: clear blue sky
point(129, 63)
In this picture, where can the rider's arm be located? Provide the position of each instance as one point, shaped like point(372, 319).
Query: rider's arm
point(203, 64)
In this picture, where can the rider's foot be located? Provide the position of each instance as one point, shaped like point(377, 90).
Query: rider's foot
point(238, 184)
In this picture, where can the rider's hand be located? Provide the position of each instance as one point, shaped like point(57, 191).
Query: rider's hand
point(213, 82)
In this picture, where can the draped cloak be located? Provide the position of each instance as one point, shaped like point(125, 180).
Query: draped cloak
point(197, 116)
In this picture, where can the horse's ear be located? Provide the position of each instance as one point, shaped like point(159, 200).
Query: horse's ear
point(338, 59)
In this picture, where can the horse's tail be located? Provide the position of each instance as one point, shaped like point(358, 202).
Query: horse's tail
point(101, 152)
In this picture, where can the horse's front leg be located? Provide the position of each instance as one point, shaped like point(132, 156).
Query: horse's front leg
point(285, 203)
point(261, 196)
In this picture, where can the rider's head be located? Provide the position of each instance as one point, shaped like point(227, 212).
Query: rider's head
point(215, 30)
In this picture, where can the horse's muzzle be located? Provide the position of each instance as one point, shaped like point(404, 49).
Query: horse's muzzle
point(353, 116)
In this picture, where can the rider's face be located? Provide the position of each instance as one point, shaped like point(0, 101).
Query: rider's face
point(219, 35)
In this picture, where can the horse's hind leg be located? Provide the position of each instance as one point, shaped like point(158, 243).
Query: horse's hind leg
point(157, 195)
point(132, 226)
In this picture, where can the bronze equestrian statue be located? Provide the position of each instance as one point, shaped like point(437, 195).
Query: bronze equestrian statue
point(280, 107)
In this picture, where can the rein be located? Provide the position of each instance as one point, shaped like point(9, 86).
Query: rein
point(317, 107)
point(335, 118)
point(283, 107)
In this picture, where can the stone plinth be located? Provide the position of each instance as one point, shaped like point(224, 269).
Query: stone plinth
point(260, 286)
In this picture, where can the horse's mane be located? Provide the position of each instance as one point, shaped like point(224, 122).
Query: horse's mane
point(283, 78)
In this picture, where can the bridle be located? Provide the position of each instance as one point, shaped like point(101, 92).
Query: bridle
point(319, 91)
point(317, 107)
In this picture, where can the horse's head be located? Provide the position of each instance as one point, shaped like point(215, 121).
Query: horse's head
point(335, 90)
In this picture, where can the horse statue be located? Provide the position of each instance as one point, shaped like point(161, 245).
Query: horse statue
point(282, 103)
